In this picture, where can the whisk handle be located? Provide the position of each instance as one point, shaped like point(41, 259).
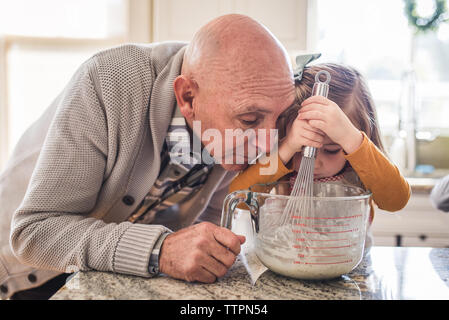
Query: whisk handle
point(320, 88)
point(309, 152)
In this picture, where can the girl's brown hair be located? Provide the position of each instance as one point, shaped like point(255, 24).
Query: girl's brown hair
point(348, 89)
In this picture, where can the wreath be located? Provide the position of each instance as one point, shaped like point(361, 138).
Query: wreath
point(423, 24)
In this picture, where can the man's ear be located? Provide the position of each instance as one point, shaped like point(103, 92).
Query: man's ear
point(185, 90)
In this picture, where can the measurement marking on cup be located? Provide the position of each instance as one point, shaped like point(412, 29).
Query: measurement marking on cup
point(324, 232)
point(335, 256)
point(347, 217)
point(320, 225)
point(304, 239)
point(336, 262)
point(300, 255)
point(305, 247)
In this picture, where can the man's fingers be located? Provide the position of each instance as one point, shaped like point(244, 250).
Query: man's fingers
point(207, 276)
point(201, 252)
point(200, 266)
point(222, 254)
point(214, 266)
point(202, 275)
point(228, 239)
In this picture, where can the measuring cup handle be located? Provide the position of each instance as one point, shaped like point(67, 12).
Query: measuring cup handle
point(231, 202)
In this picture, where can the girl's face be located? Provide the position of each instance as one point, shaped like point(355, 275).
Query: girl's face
point(328, 162)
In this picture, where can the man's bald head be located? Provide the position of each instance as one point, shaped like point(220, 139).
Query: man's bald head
point(235, 75)
point(233, 45)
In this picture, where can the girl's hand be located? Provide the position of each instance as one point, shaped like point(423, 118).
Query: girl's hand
point(299, 134)
point(325, 115)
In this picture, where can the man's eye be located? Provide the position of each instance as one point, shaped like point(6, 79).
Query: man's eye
point(332, 151)
point(247, 122)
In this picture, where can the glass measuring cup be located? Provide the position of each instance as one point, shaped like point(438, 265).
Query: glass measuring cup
point(324, 245)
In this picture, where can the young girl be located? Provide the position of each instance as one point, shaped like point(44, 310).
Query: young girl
point(345, 132)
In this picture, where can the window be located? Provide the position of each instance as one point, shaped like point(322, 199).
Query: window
point(374, 37)
point(42, 43)
point(97, 19)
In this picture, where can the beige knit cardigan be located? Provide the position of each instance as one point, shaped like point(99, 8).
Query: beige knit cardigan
point(61, 193)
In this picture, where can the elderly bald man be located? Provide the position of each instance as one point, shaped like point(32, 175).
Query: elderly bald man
point(94, 185)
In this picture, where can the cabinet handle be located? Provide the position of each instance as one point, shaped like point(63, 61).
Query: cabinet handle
point(398, 240)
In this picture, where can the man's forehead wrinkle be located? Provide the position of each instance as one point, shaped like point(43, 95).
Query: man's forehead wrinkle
point(271, 86)
point(242, 85)
point(250, 106)
point(245, 108)
point(255, 108)
point(250, 78)
point(263, 92)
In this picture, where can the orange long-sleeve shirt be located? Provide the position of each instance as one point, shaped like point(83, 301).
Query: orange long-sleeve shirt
point(390, 190)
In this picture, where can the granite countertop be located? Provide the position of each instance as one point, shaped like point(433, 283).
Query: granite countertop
point(385, 273)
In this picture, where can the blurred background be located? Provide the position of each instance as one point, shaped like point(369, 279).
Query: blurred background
point(42, 42)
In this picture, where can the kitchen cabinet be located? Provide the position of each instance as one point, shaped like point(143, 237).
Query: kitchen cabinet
point(180, 19)
point(419, 224)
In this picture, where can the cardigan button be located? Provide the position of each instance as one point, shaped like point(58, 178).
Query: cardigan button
point(128, 200)
point(32, 278)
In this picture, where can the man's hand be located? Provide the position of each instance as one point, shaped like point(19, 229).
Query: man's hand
point(202, 252)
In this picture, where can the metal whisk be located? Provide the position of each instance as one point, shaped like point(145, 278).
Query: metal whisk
point(299, 204)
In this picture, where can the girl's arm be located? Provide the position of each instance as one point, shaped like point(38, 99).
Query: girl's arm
point(390, 190)
point(266, 170)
